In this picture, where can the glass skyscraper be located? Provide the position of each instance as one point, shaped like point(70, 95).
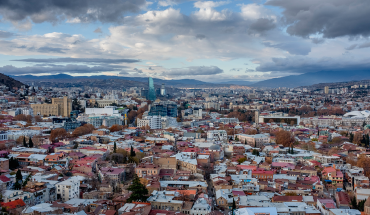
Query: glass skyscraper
point(151, 90)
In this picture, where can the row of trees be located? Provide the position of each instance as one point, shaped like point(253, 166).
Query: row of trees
point(359, 139)
point(30, 143)
point(60, 133)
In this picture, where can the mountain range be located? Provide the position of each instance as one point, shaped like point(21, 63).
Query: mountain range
point(291, 81)
point(308, 79)
point(64, 78)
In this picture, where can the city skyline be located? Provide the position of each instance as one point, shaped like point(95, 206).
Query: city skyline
point(211, 41)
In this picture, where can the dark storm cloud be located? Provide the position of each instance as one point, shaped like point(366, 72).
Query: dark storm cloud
point(300, 65)
point(193, 70)
point(47, 49)
point(5, 34)
point(332, 18)
point(318, 40)
point(262, 25)
point(200, 36)
point(293, 47)
point(54, 69)
point(55, 10)
point(78, 60)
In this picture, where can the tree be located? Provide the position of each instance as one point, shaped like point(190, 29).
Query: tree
point(351, 137)
point(115, 128)
point(82, 130)
point(24, 141)
point(115, 148)
point(241, 160)
point(139, 191)
point(233, 207)
point(336, 140)
point(284, 138)
point(19, 176)
point(255, 152)
point(58, 134)
point(357, 138)
point(30, 143)
point(354, 202)
point(132, 152)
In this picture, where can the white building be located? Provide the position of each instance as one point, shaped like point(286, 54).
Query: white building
point(217, 135)
point(256, 140)
point(27, 111)
point(107, 110)
point(201, 207)
point(154, 122)
point(68, 189)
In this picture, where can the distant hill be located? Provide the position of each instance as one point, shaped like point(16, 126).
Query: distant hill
point(9, 81)
point(308, 79)
point(241, 83)
point(68, 78)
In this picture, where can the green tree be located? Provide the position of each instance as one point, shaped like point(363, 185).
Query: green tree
point(255, 152)
point(233, 207)
point(354, 203)
point(30, 143)
point(24, 141)
point(132, 152)
point(115, 148)
point(351, 137)
point(139, 191)
point(241, 160)
point(361, 205)
point(17, 186)
point(19, 176)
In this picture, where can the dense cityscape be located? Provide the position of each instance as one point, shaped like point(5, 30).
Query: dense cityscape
point(143, 150)
point(184, 107)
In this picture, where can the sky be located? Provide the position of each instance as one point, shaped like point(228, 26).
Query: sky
point(211, 41)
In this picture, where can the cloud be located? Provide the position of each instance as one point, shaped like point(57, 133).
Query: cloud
point(166, 3)
point(200, 36)
point(98, 30)
point(300, 65)
point(235, 69)
point(249, 70)
point(193, 71)
point(78, 60)
point(138, 70)
point(5, 34)
point(74, 11)
point(318, 40)
point(262, 25)
point(331, 18)
point(46, 49)
point(55, 69)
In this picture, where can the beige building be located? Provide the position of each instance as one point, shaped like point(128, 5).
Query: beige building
point(58, 107)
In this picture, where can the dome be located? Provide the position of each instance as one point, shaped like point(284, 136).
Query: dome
point(215, 147)
point(358, 114)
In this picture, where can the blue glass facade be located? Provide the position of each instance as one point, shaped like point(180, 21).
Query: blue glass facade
point(163, 109)
point(151, 90)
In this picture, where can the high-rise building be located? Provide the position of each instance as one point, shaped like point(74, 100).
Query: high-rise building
point(256, 117)
point(163, 109)
point(326, 89)
point(151, 90)
point(163, 90)
point(58, 107)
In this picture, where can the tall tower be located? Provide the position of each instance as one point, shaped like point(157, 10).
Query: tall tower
point(256, 117)
point(326, 90)
point(163, 90)
point(151, 90)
